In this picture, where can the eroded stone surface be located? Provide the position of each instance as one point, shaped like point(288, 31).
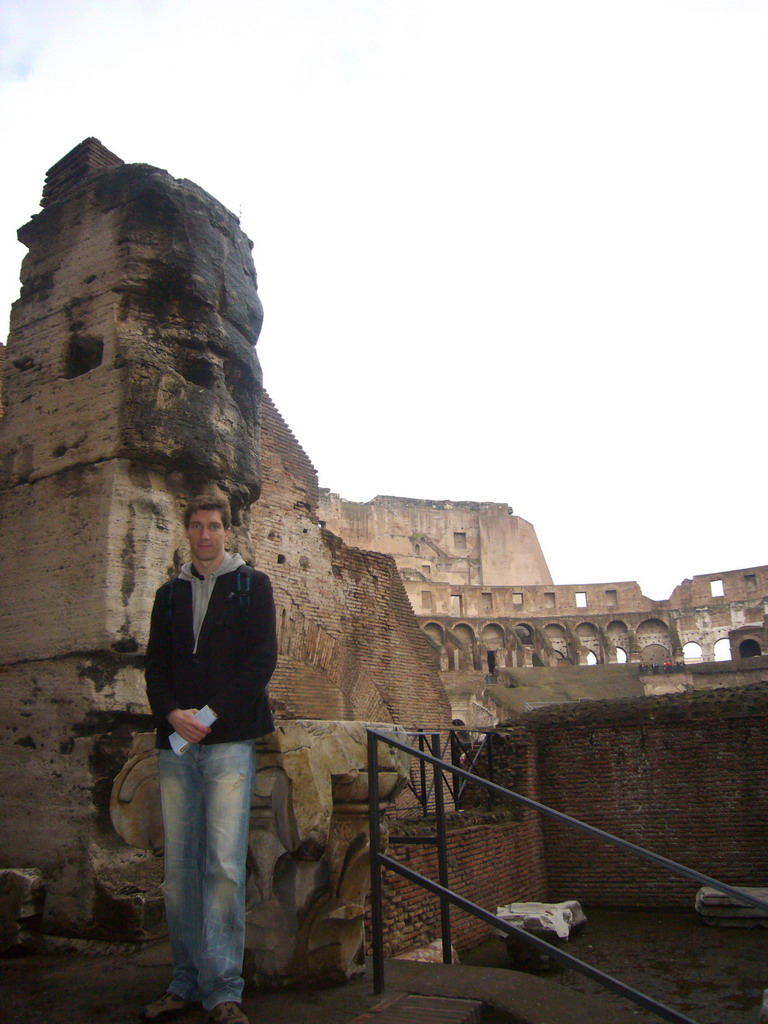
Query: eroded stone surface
point(131, 382)
point(22, 894)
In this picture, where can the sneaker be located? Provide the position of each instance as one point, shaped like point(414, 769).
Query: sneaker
point(227, 1013)
point(167, 1006)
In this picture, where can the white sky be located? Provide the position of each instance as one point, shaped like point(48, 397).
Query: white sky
point(508, 250)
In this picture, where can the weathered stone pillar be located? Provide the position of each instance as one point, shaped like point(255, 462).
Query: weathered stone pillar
point(130, 381)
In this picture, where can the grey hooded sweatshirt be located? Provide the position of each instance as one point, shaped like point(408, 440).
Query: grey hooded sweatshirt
point(202, 586)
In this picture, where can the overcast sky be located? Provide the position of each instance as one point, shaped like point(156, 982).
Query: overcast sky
point(508, 250)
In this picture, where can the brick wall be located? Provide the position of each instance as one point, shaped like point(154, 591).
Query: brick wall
point(350, 646)
point(685, 776)
point(511, 849)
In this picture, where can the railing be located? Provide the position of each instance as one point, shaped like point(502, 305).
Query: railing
point(462, 754)
point(447, 897)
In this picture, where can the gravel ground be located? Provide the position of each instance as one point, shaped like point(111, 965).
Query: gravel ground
point(714, 975)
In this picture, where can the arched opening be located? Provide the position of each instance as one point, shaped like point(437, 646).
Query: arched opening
point(464, 657)
point(590, 642)
point(749, 649)
point(653, 640)
point(525, 633)
point(558, 639)
point(723, 649)
point(655, 655)
point(618, 636)
point(492, 639)
point(692, 653)
point(435, 632)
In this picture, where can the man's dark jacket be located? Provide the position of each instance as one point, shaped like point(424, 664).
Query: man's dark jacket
point(236, 656)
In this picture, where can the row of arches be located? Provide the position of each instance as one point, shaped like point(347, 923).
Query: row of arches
point(494, 645)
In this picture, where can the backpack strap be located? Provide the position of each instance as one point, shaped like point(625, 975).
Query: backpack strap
point(243, 584)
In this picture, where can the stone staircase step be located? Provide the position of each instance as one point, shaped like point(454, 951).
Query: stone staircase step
point(409, 1009)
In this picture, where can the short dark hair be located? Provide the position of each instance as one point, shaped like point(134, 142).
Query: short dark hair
point(208, 503)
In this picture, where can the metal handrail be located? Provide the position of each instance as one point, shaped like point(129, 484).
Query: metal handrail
point(457, 748)
point(447, 896)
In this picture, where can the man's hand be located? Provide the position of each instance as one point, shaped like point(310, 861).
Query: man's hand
point(184, 722)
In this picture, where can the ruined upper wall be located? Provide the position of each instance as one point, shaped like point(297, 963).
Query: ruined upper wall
point(130, 383)
point(133, 335)
point(443, 541)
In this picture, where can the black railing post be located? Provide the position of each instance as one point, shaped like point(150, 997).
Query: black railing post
point(423, 771)
point(374, 832)
point(457, 789)
point(442, 853)
point(489, 754)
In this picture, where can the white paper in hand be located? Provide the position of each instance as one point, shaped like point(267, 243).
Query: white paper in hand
point(205, 716)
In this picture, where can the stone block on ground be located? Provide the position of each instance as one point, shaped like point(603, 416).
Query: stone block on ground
point(552, 922)
point(719, 908)
point(22, 894)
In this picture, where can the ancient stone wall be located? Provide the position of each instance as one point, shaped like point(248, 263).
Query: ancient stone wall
point(481, 641)
point(476, 577)
point(131, 383)
point(453, 542)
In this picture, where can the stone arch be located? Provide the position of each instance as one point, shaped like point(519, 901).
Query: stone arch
point(493, 639)
point(589, 637)
point(722, 649)
point(749, 648)
point(618, 637)
point(464, 656)
point(464, 634)
point(692, 653)
point(435, 632)
point(524, 633)
point(654, 641)
point(492, 636)
point(558, 639)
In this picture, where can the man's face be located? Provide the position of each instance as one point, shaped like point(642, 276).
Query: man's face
point(207, 537)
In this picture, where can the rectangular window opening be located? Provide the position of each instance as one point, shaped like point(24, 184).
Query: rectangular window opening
point(517, 600)
point(426, 600)
point(460, 540)
point(611, 598)
point(456, 605)
point(487, 602)
point(716, 587)
point(581, 599)
point(549, 599)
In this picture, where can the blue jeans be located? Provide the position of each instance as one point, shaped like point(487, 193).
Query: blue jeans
point(206, 801)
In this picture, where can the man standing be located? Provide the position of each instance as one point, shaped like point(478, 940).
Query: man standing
point(212, 643)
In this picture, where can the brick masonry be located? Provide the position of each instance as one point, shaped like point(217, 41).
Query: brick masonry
point(684, 776)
